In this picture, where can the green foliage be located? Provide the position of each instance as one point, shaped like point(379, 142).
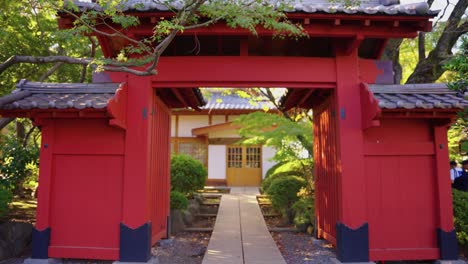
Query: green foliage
point(304, 210)
point(18, 163)
point(178, 201)
point(260, 128)
point(458, 66)
point(458, 69)
point(409, 55)
point(283, 192)
point(300, 168)
point(5, 199)
point(31, 28)
point(272, 170)
point(460, 212)
point(187, 174)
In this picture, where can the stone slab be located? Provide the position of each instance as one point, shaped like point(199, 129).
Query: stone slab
point(336, 261)
point(153, 260)
point(42, 261)
point(450, 262)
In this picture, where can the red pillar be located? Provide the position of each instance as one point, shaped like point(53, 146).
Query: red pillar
point(41, 232)
point(352, 229)
point(446, 236)
point(135, 231)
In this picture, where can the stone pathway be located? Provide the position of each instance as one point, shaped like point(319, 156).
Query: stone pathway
point(240, 235)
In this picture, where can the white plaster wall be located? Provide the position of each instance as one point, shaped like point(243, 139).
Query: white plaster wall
point(268, 153)
point(217, 162)
point(173, 126)
point(187, 123)
point(218, 119)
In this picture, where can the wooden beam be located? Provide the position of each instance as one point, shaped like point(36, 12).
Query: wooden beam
point(214, 128)
point(251, 71)
point(179, 97)
point(353, 44)
point(307, 95)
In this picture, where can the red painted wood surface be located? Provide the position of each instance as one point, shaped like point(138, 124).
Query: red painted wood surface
point(82, 168)
point(351, 182)
point(326, 170)
point(137, 151)
point(401, 186)
point(444, 203)
point(241, 72)
point(159, 171)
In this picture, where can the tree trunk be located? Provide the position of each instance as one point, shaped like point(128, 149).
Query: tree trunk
point(392, 53)
point(429, 70)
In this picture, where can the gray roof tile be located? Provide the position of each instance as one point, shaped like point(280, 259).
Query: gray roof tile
point(218, 101)
point(418, 96)
point(370, 7)
point(34, 95)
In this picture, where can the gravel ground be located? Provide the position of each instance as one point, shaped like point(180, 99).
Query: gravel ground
point(185, 248)
point(299, 248)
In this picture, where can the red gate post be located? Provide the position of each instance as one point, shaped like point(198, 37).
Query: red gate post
point(135, 229)
point(352, 229)
point(41, 232)
point(446, 236)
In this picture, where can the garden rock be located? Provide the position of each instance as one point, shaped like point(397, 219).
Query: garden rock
point(166, 243)
point(198, 252)
point(188, 217)
point(193, 207)
point(177, 222)
point(15, 237)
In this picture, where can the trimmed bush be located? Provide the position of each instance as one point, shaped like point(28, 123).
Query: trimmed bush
point(266, 183)
point(187, 174)
point(292, 168)
point(178, 201)
point(283, 194)
point(460, 213)
point(272, 170)
point(5, 200)
point(304, 210)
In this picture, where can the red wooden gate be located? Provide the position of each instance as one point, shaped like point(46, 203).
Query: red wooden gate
point(326, 174)
point(159, 171)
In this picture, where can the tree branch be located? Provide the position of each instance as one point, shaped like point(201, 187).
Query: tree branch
point(431, 68)
point(50, 71)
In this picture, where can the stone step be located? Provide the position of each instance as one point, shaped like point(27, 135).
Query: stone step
point(198, 229)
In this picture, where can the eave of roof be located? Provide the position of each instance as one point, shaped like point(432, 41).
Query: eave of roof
point(35, 95)
point(408, 97)
point(367, 7)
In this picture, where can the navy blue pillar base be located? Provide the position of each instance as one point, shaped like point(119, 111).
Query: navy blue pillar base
point(448, 244)
point(352, 244)
point(135, 244)
point(40, 243)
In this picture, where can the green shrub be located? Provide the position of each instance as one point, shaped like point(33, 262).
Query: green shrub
point(5, 200)
point(291, 168)
point(460, 212)
point(267, 182)
point(272, 170)
point(178, 201)
point(18, 164)
point(304, 210)
point(283, 194)
point(187, 174)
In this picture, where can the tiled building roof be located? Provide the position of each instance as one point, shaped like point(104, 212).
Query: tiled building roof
point(34, 95)
point(418, 96)
point(370, 7)
point(220, 101)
